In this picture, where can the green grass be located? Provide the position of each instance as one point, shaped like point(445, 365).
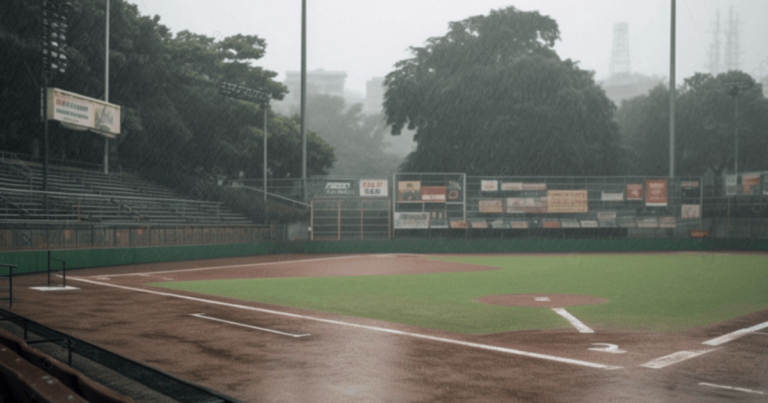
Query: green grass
point(658, 292)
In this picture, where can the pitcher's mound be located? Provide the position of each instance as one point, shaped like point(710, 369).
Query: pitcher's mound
point(541, 300)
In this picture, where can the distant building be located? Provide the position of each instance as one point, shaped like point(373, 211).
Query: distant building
point(318, 82)
point(374, 95)
point(765, 86)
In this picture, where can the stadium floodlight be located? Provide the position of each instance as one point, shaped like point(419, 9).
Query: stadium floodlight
point(256, 96)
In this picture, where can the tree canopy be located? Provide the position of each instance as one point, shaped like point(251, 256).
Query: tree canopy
point(174, 120)
point(705, 126)
point(492, 97)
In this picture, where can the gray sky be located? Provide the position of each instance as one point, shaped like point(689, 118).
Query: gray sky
point(365, 38)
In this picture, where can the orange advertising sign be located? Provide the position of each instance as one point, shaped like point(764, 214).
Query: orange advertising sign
point(656, 192)
point(567, 201)
point(634, 191)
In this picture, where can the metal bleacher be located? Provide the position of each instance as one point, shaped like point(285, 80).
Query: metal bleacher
point(90, 196)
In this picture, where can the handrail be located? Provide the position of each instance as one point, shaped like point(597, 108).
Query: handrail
point(10, 282)
point(15, 160)
point(107, 197)
point(22, 210)
point(274, 195)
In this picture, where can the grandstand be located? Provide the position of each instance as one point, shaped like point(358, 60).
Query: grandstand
point(88, 196)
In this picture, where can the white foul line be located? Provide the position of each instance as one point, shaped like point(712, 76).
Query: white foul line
point(757, 392)
point(354, 325)
point(227, 267)
point(203, 316)
point(582, 328)
point(674, 358)
point(735, 335)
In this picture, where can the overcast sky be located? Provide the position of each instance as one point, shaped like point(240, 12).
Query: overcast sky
point(365, 38)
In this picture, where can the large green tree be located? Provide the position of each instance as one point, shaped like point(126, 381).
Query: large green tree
point(705, 126)
point(173, 118)
point(492, 97)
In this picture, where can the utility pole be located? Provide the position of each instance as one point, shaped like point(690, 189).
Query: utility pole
point(672, 93)
point(303, 100)
point(106, 88)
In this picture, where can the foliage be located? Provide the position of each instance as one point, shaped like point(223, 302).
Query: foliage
point(493, 97)
point(705, 123)
point(173, 118)
point(358, 140)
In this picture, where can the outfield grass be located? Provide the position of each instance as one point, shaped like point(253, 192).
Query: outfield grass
point(657, 292)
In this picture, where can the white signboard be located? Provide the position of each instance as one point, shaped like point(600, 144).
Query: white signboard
point(83, 112)
point(411, 220)
point(374, 188)
point(489, 185)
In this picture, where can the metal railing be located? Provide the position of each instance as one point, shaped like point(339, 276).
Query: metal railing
point(97, 363)
point(9, 279)
point(21, 237)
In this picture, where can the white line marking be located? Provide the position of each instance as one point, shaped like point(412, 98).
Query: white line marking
point(203, 316)
point(609, 348)
point(541, 299)
point(735, 335)
point(103, 278)
point(229, 267)
point(67, 288)
point(757, 392)
point(354, 325)
point(582, 328)
point(674, 358)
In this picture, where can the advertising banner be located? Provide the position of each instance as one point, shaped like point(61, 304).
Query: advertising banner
point(606, 215)
point(454, 192)
point(567, 201)
point(512, 186)
point(750, 184)
point(433, 194)
point(656, 192)
point(731, 185)
point(634, 191)
point(626, 222)
point(691, 211)
point(479, 224)
point(518, 224)
point(534, 186)
point(409, 191)
point(523, 205)
point(83, 112)
point(497, 224)
point(411, 220)
point(667, 222)
point(647, 222)
point(459, 224)
point(338, 188)
point(588, 223)
point(491, 206)
point(438, 219)
point(612, 196)
point(374, 188)
point(570, 223)
point(489, 185)
point(550, 223)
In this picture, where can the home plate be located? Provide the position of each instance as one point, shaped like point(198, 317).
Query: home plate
point(67, 288)
point(541, 299)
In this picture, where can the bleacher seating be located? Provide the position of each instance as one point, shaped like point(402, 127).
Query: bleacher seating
point(91, 196)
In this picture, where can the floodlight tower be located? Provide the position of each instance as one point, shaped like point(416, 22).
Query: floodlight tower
point(714, 48)
point(732, 48)
point(620, 66)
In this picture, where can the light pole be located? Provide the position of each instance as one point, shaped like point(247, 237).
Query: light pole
point(106, 88)
point(672, 91)
point(303, 100)
point(259, 97)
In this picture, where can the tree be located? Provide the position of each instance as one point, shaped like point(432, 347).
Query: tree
point(492, 97)
point(705, 126)
point(358, 141)
point(174, 121)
